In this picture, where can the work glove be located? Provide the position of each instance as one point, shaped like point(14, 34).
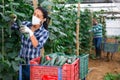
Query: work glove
point(26, 30)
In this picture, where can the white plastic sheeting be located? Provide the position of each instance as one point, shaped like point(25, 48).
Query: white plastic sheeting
point(113, 27)
point(117, 3)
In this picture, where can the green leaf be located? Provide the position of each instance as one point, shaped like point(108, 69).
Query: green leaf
point(8, 63)
point(56, 22)
point(20, 14)
point(17, 58)
point(9, 76)
point(15, 66)
point(10, 0)
point(5, 18)
point(52, 36)
point(62, 33)
point(47, 3)
point(1, 56)
point(1, 6)
point(4, 65)
point(12, 55)
point(9, 45)
point(15, 4)
point(1, 66)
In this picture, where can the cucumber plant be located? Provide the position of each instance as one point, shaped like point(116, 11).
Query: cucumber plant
point(10, 40)
point(63, 30)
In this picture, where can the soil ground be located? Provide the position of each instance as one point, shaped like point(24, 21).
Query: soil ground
point(99, 68)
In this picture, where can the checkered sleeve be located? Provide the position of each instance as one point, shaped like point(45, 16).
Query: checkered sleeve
point(15, 26)
point(43, 39)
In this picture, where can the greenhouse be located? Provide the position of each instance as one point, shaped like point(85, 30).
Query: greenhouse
point(59, 39)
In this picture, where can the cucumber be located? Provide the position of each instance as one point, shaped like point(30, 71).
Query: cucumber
point(42, 60)
point(47, 62)
point(60, 54)
point(74, 58)
point(53, 60)
point(60, 58)
point(52, 55)
point(63, 61)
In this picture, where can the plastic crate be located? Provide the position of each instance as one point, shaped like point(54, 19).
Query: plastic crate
point(110, 47)
point(66, 72)
point(83, 66)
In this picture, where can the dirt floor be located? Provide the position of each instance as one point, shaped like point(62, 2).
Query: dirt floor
point(99, 68)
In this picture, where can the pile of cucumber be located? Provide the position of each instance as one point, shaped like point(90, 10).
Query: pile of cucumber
point(57, 59)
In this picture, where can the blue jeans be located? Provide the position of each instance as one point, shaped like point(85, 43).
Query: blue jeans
point(97, 42)
point(25, 72)
point(26, 69)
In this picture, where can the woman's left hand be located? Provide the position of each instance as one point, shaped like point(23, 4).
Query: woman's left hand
point(25, 29)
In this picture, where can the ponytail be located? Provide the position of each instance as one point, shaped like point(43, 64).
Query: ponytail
point(46, 23)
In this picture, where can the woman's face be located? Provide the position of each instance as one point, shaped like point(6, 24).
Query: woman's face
point(95, 22)
point(38, 13)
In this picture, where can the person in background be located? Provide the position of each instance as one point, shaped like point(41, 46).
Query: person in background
point(37, 34)
point(97, 37)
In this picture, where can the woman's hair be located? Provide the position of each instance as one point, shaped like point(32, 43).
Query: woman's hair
point(95, 22)
point(45, 15)
point(94, 19)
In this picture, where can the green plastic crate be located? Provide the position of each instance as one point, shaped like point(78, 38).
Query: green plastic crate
point(83, 66)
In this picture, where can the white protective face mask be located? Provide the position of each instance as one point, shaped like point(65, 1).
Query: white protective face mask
point(35, 20)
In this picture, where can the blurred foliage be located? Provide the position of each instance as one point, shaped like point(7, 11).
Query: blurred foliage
point(110, 76)
point(10, 39)
point(85, 36)
point(62, 30)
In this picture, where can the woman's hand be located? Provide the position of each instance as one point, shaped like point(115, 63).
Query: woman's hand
point(25, 29)
point(89, 30)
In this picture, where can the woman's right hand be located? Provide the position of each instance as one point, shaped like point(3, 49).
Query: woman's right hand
point(89, 30)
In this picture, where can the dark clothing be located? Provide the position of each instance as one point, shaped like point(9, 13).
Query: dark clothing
point(26, 72)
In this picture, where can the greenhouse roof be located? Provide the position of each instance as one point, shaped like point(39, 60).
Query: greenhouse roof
point(110, 8)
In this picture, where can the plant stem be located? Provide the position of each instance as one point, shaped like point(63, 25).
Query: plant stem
point(91, 38)
point(3, 41)
point(3, 31)
point(77, 30)
point(3, 6)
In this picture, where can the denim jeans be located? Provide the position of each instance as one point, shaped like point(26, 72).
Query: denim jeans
point(26, 70)
point(97, 42)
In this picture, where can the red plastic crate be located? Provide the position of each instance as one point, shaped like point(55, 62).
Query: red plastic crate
point(68, 71)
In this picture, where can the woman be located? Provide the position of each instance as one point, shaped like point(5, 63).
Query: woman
point(37, 35)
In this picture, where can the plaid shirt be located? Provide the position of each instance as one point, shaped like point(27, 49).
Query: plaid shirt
point(27, 50)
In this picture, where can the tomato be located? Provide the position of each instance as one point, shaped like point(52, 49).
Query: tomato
point(48, 57)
